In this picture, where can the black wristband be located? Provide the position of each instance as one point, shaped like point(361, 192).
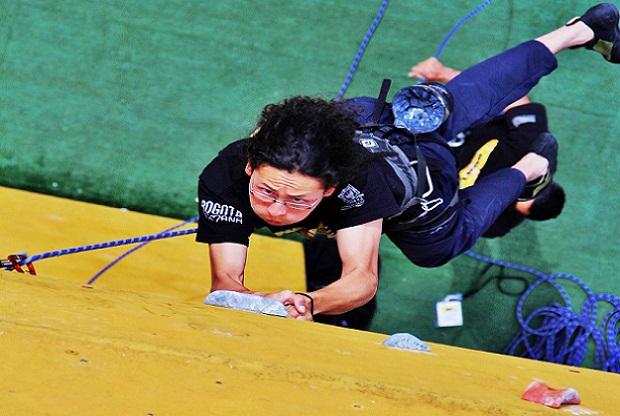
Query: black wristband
point(311, 301)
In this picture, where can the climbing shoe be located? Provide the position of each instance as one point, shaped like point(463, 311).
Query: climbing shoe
point(535, 187)
point(603, 20)
point(546, 146)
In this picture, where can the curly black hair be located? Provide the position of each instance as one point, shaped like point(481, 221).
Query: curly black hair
point(308, 135)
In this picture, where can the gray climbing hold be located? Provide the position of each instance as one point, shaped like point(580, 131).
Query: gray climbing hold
point(406, 342)
point(245, 302)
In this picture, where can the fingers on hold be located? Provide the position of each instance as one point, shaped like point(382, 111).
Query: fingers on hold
point(292, 312)
point(300, 305)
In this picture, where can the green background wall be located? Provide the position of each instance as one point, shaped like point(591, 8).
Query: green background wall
point(124, 102)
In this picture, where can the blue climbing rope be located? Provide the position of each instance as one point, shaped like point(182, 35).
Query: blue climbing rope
point(563, 335)
point(373, 27)
point(107, 244)
point(133, 249)
point(460, 23)
point(362, 48)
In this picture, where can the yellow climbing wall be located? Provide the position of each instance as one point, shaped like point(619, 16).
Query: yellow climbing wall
point(142, 343)
point(68, 350)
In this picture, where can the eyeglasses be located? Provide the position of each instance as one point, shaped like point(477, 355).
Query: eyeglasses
point(266, 196)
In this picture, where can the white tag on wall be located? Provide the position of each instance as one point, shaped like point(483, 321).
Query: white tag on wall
point(450, 311)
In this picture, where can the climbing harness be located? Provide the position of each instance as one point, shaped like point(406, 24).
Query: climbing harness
point(386, 139)
point(420, 108)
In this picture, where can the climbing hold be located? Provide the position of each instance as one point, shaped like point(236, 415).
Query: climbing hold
point(245, 302)
point(406, 342)
point(539, 392)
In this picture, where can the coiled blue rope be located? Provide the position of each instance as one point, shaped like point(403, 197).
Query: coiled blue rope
point(562, 335)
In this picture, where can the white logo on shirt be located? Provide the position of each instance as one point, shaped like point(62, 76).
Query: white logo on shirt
point(351, 197)
point(219, 212)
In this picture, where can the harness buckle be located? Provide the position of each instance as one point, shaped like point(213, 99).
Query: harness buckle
point(14, 262)
point(430, 205)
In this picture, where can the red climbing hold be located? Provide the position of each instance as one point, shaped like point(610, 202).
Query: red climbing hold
point(539, 392)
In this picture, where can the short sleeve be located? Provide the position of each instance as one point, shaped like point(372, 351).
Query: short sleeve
point(221, 220)
point(224, 211)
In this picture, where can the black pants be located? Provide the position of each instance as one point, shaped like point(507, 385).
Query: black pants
point(323, 266)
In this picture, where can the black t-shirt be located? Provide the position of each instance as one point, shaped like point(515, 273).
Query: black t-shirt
point(227, 216)
point(225, 213)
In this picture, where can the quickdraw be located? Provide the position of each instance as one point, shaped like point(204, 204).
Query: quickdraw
point(14, 262)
